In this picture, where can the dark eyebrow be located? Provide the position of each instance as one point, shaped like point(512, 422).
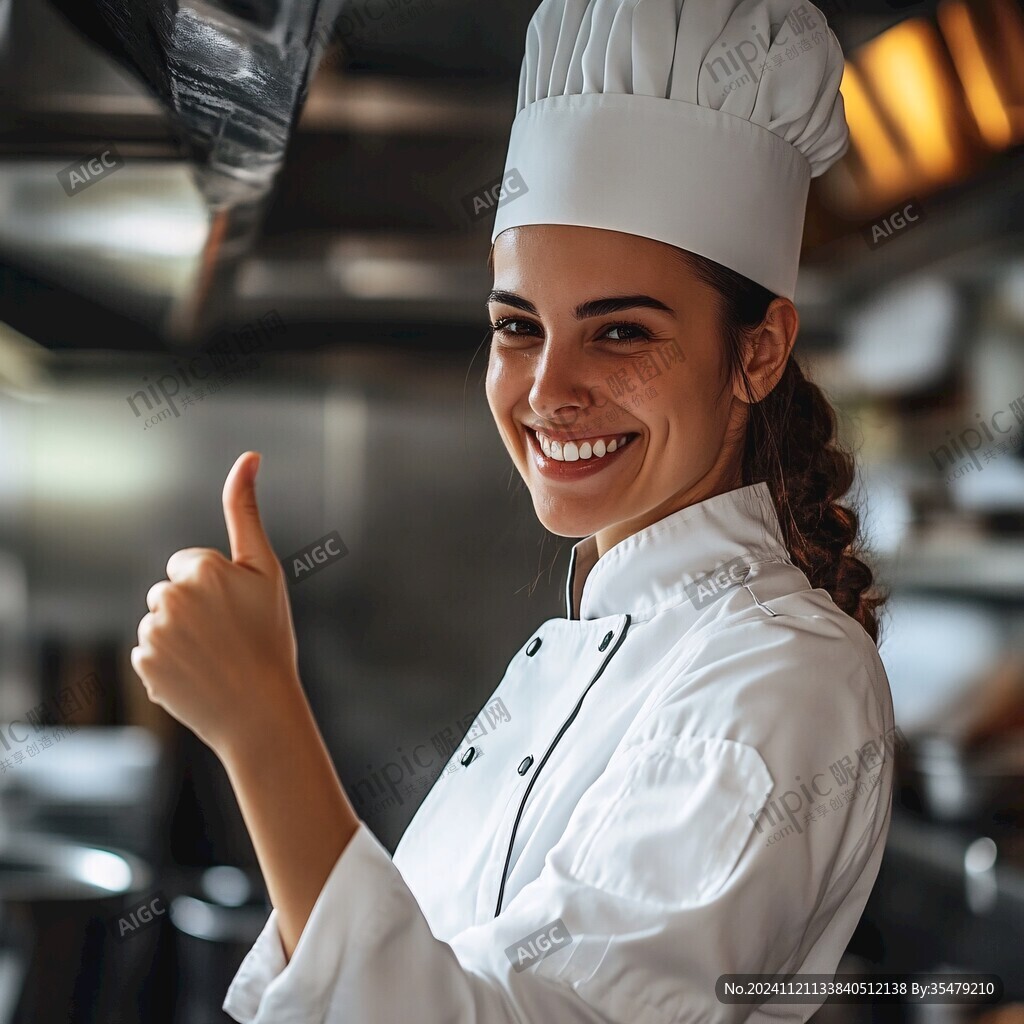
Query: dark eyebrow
point(591, 308)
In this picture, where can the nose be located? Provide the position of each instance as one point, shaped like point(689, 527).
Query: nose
point(559, 392)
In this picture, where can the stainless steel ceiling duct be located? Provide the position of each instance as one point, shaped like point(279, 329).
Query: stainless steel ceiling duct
point(232, 74)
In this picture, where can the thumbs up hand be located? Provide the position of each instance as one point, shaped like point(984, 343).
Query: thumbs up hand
point(217, 649)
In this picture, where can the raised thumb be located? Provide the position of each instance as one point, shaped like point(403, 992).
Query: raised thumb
point(248, 540)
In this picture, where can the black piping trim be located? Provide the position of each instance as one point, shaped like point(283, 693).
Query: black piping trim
point(554, 743)
point(570, 577)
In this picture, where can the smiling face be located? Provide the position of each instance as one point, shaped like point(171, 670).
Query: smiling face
point(608, 380)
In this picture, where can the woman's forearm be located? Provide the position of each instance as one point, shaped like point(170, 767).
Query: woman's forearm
point(297, 813)
point(217, 651)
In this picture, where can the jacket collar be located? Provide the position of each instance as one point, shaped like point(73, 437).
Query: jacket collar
point(690, 555)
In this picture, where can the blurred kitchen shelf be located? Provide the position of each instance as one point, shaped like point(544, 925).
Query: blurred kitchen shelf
point(925, 909)
point(969, 231)
point(101, 784)
point(991, 568)
point(381, 105)
point(942, 848)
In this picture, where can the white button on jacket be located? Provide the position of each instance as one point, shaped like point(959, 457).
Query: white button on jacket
point(709, 793)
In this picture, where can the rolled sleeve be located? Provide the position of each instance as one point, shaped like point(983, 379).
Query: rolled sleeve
point(345, 919)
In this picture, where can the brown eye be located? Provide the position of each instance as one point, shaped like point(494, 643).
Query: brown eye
point(628, 333)
point(505, 325)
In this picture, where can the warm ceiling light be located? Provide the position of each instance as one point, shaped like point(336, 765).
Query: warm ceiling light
point(975, 73)
point(909, 77)
point(870, 140)
point(1009, 32)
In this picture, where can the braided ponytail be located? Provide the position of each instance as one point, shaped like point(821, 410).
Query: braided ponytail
point(790, 444)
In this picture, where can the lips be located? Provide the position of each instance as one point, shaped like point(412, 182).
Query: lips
point(565, 459)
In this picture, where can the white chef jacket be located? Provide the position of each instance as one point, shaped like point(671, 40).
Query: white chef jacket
point(631, 809)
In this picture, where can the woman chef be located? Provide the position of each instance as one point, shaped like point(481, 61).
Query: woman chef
point(695, 777)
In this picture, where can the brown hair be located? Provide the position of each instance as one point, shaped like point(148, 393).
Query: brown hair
point(791, 444)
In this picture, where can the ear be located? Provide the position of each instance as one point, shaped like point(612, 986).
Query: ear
point(767, 349)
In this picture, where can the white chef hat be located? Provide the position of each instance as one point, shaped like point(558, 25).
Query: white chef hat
point(694, 122)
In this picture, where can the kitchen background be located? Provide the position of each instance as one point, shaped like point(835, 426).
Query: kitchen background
point(297, 199)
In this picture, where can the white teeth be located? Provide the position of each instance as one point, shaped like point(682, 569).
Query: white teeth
point(570, 451)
